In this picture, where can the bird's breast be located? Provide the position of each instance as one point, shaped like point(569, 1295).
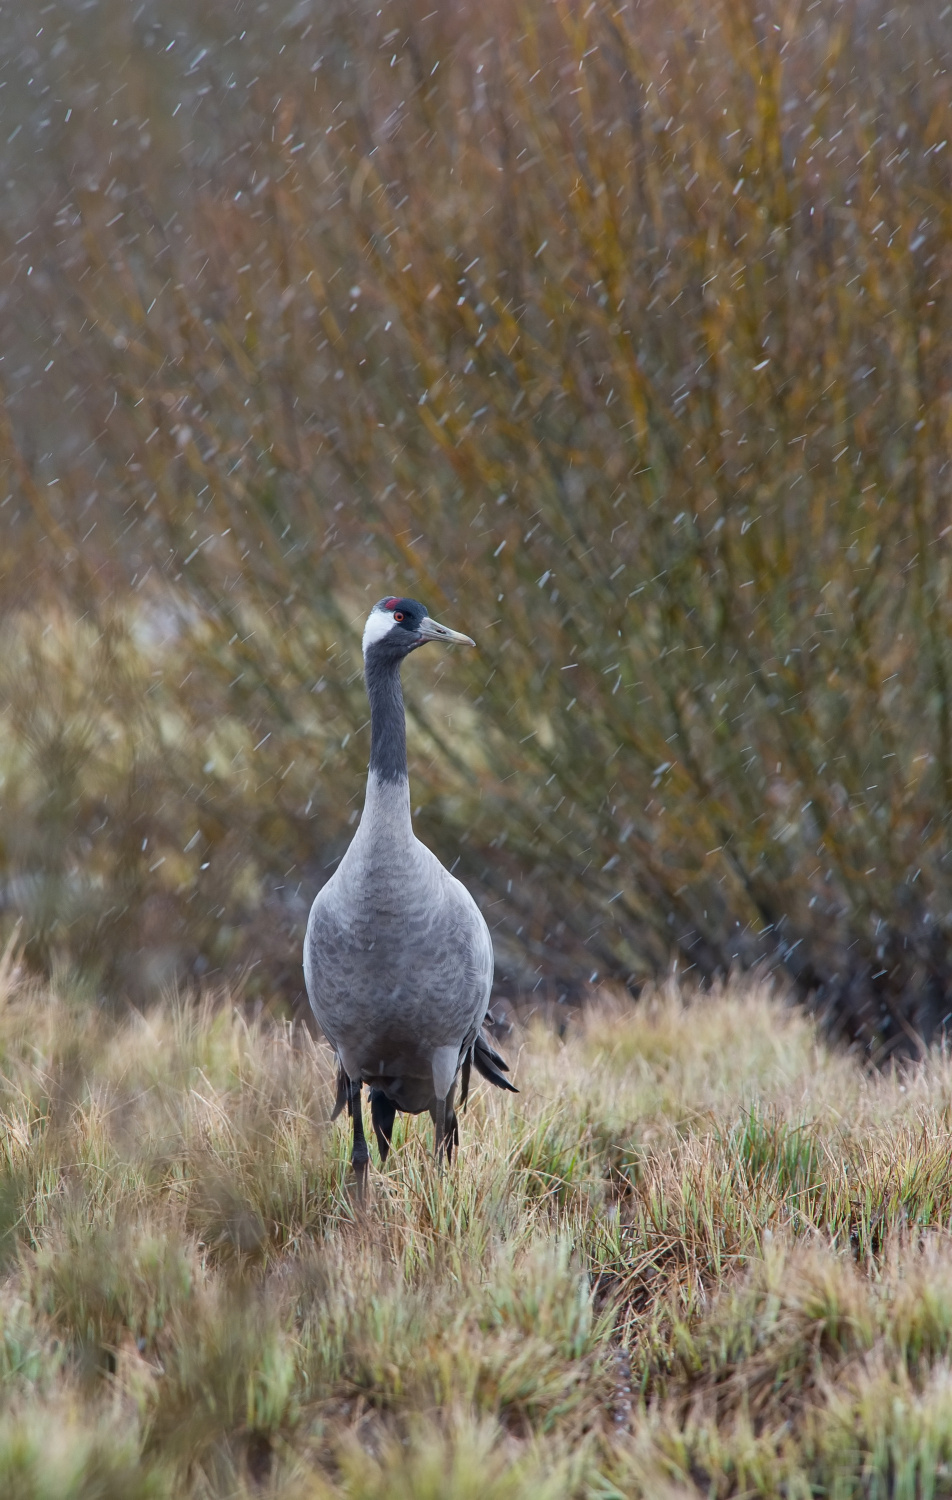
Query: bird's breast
point(398, 959)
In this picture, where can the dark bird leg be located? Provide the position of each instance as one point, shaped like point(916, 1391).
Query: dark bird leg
point(359, 1156)
point(464, 1080)
point(383, 1112)
point(343, 1093)
point(445, 1127)
point(451, 1134)
point(439, 1130)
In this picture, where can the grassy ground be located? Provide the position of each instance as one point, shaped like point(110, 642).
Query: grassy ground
point(699, 1254)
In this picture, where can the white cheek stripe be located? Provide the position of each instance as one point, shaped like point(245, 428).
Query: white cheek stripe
point(379, 623)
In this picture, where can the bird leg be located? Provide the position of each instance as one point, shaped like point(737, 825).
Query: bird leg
point(445, 1127)
point(343, 1092)
point(382, 1114)
point(464, 1078)
point(439, 1122)
point(359, 1156)
point(451, 1131)
point(445, 1067)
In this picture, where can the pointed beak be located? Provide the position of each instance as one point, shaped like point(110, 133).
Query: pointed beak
point(432, 630)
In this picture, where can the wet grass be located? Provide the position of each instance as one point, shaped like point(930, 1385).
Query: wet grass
point(698, 1254)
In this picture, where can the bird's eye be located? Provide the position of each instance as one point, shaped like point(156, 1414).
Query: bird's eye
point(398, 614)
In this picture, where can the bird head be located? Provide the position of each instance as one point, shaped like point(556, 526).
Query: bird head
point(395, 627)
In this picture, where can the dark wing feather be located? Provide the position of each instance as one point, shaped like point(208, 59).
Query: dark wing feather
point(491, 1053)
point(487, 1062)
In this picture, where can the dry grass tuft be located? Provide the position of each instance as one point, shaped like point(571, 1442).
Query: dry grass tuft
point(699, 1253)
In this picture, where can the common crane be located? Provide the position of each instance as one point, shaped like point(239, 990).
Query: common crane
point(398, 959)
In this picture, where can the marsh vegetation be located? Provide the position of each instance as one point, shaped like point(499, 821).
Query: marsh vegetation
point(698, 1254)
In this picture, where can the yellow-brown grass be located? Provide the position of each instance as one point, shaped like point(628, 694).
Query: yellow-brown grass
point(699, 1254)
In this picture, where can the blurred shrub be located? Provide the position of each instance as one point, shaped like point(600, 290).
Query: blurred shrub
point(621, 338)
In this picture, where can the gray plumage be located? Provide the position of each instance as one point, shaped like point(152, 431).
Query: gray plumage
point(398, 959)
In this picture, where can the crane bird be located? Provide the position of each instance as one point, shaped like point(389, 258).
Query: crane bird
point(398, 959)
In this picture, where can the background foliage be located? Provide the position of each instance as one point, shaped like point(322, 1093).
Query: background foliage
point(618, 334)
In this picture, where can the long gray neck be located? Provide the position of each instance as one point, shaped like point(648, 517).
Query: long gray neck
point(387, 803)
